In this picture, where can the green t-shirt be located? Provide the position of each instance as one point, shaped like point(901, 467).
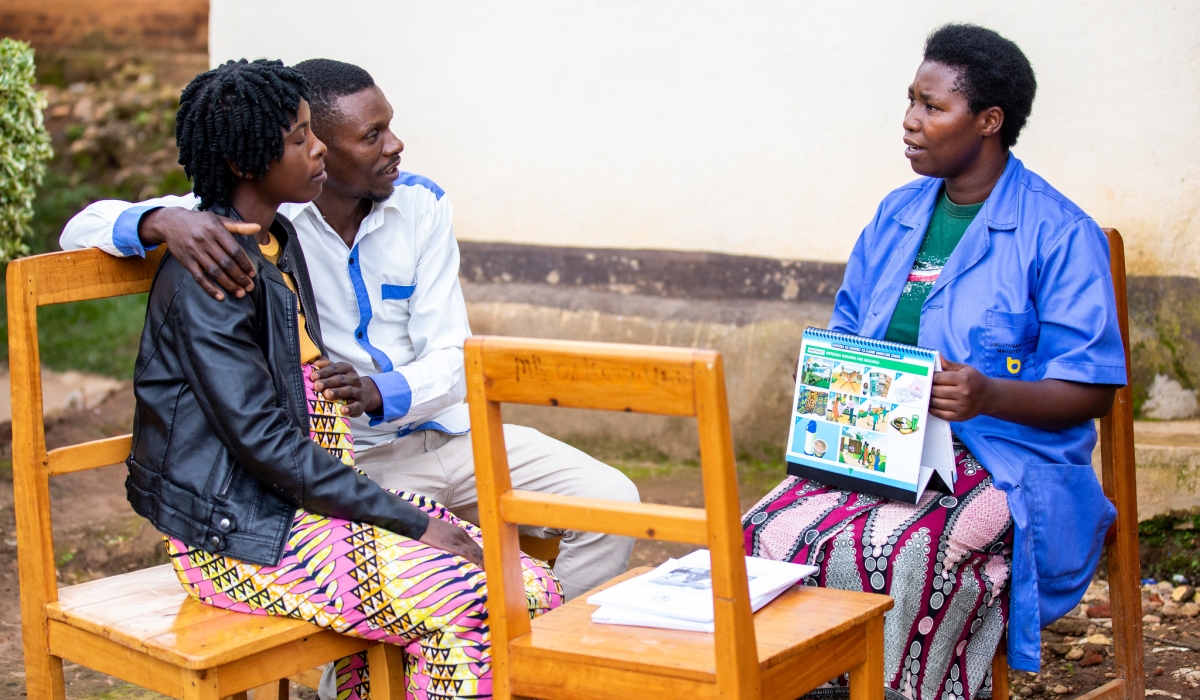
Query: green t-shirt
point(946, 228)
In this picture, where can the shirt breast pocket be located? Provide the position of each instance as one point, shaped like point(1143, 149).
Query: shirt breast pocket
point(396, 298)
point(1010, 341)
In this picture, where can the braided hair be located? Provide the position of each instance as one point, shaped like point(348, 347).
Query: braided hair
point(235, 113)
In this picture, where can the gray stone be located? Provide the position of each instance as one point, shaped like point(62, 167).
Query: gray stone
point(1073, 626)
point(1169, 400)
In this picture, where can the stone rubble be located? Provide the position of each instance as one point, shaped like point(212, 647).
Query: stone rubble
point(120, 130)
point(1187, 675)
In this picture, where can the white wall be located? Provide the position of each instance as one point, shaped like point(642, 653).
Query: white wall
point(765, 128)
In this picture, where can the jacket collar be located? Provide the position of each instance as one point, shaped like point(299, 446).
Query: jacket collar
point(1001, 210)
point(281, 228)
point(291, 260)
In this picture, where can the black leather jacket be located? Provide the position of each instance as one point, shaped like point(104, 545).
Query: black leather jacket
point(221, 455)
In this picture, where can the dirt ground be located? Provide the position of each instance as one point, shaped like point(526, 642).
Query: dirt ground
point(96, 534)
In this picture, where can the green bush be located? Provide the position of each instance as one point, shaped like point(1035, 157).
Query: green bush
point(24, 146)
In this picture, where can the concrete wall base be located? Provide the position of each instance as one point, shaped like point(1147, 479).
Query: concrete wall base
point(760, 341)
point(1168, 466)
point(1168, 478)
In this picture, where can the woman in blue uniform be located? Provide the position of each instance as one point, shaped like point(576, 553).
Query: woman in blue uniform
point(1009, 280)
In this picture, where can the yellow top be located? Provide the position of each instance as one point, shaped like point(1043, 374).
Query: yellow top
point(309, 352)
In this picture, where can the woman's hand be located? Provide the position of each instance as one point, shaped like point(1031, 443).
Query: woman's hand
point(455, 540)
point(339, 380)
point(960, 392)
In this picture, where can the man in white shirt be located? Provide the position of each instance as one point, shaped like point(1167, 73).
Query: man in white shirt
point(384, 263)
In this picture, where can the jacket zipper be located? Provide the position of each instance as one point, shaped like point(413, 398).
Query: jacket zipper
point(226, 478)
point(300, 296)
point(298, 373)
point(223, 492)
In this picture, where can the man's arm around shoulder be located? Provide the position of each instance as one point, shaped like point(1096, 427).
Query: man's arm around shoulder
point(202, 241)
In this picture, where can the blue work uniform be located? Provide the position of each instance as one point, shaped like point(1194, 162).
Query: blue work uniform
point(1027, 295)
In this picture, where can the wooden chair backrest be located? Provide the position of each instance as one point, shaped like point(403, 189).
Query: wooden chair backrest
point(36, 281)
point(1118, 475)
point(1119, 478)
point(611, 377)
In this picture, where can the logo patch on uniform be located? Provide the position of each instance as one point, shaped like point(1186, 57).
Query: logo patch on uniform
point(1014, 365)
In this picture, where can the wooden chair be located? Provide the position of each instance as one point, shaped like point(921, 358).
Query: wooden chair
point(799, 641)
point(1119, 477)
point(140, 627)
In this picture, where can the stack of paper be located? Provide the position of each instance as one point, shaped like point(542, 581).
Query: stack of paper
point(678, 594)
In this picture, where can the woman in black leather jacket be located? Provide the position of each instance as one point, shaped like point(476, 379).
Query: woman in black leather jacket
point(242, 456)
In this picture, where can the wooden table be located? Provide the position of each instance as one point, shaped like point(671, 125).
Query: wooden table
point(806, 637)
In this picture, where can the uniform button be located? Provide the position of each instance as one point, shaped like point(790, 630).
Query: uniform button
point(359, 334)
point(215, 541)
point(224, 524)
point(351, 260)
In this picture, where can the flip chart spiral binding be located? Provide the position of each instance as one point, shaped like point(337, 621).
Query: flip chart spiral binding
point(870, 343)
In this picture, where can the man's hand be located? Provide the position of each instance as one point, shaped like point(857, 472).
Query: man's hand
point(960, 392)
point(455, 540)
point(204, 243)
point(339, 380)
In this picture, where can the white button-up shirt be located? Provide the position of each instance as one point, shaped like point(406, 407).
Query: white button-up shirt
point(390, 304)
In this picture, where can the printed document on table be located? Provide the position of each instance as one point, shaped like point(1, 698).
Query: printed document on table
point(612, 615)
point(681, 589)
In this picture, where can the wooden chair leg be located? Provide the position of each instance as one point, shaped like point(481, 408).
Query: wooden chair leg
point(385, 668)
point(200, 685)
point(1000, 672)
point(275, 690)
point(866, 679)
point(43, 675)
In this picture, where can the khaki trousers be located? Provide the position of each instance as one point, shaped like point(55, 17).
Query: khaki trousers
point(442, 467)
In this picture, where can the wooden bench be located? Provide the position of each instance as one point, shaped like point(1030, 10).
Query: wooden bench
point(140, 627)
point(1119, 478)
point(799, 641)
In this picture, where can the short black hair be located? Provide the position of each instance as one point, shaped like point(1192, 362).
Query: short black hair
point(993, 72)
point(236, 112)
point(329, 80)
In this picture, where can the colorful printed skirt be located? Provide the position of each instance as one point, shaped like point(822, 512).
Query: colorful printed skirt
point(367, 582)
point(945, 561)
